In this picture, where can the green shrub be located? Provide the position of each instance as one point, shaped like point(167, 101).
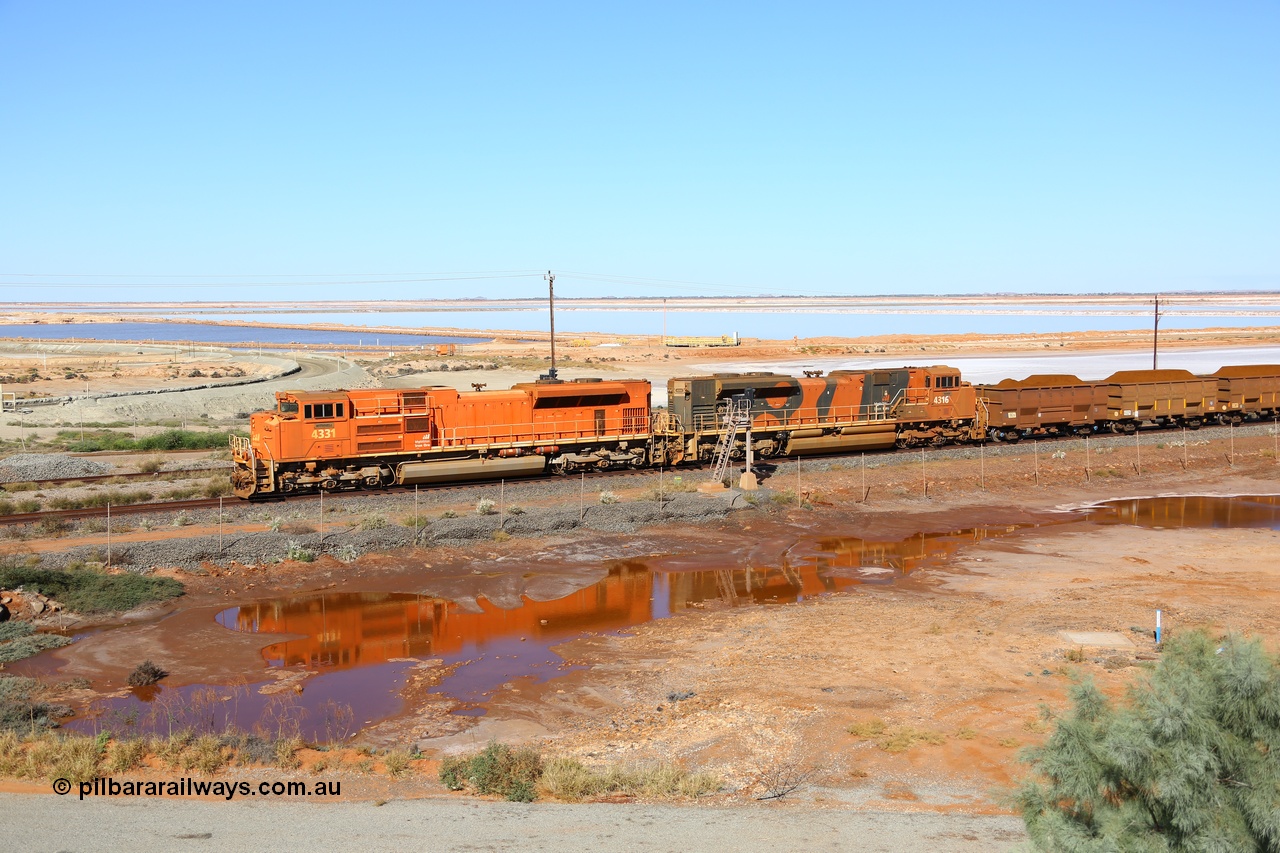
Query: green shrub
point(299, 554)
point(497, 769)
point(14, 630)
point(29, 646)
point(92, 592)
point(216, 487)
point(171, 439)
point(1186, 762)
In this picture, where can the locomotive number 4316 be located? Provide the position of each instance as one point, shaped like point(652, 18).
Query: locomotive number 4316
point(941, 399)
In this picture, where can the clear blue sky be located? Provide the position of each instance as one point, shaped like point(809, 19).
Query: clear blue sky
point(786, 148)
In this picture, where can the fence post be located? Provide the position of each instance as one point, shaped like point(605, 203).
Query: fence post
point(864, 475)
point(924, 475)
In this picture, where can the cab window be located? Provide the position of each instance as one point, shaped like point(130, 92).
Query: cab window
point(322, 410)
point(288, 407)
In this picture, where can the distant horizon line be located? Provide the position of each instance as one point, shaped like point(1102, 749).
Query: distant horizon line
point(1110, 296)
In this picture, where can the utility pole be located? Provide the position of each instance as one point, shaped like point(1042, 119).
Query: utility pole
point(551, 293)
point(1155, 334)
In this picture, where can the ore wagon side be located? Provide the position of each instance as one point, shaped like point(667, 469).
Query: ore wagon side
point(1161, 398)
point(1057, 404)
point(1248, 392)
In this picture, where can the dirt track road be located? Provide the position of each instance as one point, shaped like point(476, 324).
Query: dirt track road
point(38, 823)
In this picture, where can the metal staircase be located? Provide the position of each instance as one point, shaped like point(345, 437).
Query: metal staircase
point(736, 417)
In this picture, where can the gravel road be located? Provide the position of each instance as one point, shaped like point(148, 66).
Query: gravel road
point(38, 823)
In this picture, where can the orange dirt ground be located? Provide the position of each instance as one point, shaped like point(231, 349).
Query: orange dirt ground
point(942, 674)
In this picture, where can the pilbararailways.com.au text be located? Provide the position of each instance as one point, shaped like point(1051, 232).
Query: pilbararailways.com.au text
point(188, 787)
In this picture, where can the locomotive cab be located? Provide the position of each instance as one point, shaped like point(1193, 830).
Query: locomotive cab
point(325, 421)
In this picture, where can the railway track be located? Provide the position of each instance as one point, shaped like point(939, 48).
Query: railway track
point(158, 476)
point(210, 503)
point(102, 511)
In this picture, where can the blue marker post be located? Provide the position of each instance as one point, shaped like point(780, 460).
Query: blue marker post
point(1157, 627)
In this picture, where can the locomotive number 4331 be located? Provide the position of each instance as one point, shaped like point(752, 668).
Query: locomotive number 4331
point(324, 432)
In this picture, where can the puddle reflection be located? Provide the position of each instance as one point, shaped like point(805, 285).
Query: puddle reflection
point(1199, 511)
point(364, 644)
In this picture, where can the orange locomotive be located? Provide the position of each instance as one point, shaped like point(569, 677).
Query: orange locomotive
point(378, 437)
point(844, 411)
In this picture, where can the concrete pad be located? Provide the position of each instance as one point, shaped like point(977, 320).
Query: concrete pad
point(1100, 639)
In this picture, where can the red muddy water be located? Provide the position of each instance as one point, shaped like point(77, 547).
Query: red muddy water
point(361, 646)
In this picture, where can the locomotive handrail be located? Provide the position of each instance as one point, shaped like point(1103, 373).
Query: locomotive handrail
point(837, 416)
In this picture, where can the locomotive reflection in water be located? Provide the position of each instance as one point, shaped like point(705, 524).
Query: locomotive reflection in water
point(364, 645)
point(346, 630)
